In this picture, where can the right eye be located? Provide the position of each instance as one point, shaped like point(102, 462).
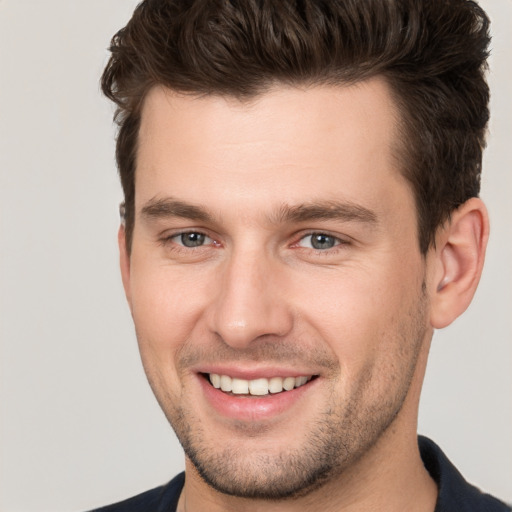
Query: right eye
point(191, 239)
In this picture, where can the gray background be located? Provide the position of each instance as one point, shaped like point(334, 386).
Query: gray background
point(79, 425)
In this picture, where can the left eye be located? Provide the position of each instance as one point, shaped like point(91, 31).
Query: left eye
point(319, 241)
point(192, 239)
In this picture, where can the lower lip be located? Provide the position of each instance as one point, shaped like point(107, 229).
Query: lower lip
point(253, 408)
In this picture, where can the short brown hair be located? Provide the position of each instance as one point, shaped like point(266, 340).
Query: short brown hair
point(432, 53)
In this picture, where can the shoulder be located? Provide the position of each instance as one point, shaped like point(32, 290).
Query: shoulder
point(454, 492)
point(163, 498)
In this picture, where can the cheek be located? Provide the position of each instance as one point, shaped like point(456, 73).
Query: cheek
point(166, 307)
point(357, 311)
point(165, 311)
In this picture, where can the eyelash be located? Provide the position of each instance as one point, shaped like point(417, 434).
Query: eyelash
point(169, 242)
point(341, 244)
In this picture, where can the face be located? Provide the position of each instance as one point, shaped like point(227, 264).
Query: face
point(275, 281)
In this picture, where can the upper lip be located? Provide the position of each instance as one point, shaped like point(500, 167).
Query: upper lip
point(239, 372)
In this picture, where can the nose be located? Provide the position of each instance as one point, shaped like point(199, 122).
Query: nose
point(250, 302)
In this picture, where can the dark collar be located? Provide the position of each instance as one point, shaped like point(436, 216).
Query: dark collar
point(455, 494)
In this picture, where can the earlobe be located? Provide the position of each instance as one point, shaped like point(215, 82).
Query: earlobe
point(459, 258)
point(124, 262)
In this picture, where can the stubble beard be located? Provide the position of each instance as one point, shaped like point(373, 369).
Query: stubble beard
point(343, 433)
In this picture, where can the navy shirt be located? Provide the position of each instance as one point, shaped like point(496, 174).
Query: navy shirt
point(455, 494)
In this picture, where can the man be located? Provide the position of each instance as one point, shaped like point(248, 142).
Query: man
point(301, 212)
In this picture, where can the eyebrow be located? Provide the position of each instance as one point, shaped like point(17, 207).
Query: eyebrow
point(345, 211)
point(326, 210)
point(169, 207)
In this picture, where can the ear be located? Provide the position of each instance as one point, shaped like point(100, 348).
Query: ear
point(458, 261)
point(124, 262)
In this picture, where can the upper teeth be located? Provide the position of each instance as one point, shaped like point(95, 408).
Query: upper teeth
point(257, 386)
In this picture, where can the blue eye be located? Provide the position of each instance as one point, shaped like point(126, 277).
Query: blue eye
point(319, 241)
point(192, 239)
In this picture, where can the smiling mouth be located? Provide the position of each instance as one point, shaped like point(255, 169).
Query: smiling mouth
point(256, 387)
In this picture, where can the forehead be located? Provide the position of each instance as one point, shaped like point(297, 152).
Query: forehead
point(305, 113)
point(288, 145)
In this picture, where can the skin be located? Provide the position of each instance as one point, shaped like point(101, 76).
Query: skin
point(257, 179)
